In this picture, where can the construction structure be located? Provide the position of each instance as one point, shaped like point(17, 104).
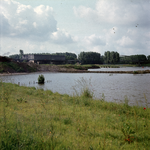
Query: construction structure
point(43, 59)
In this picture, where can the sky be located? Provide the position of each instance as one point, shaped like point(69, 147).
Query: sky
point(50, 26)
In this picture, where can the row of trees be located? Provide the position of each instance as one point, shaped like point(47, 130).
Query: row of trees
point(89, 58)
point(111, 57)
point(96, 58)
point(17, 56)
point(135, 59)
point(68, 56)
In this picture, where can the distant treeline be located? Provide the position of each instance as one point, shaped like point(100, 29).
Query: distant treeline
point(111, 58)
point(68, 56)
point(96, 58)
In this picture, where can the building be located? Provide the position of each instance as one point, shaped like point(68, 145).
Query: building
point(43, 59)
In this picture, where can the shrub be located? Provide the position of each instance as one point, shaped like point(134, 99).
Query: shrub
point(41, 79)
point(135, 72)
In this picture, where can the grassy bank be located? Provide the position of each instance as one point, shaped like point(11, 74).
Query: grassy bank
point(133, 65)
point(79, 67)
point(109, 66)
point(36, 119)
point(11, 67)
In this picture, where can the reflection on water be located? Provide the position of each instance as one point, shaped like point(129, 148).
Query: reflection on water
point(114, 86)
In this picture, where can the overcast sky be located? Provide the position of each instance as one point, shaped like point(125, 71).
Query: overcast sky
point(40, 26)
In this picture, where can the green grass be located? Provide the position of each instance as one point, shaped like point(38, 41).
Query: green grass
point(109, 66)
point(134, 65)
point(146, 65)
point(31, 118)
point(15, 67)
point(123, 65)
point(79, 67)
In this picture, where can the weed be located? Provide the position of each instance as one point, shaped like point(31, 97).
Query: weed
point(20, 100)
point(103, 97)
point(67, 121)
point(87, 93)
point(128, 132)
point(54, 121)
point(84, 86)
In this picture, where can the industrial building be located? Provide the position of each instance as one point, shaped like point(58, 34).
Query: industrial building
point(44, 59)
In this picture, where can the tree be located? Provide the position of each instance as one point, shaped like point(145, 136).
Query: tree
point(89, 58)
point(134, 59)
point(111, 57)
point(15, 56)
point(68, 56)
point(41, 79)
point(148, 58)
point(21, 53)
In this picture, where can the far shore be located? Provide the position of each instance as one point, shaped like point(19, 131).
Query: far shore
point(79, 71)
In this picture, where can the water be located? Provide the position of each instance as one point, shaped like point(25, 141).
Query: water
point(121, 69)
point(115, 87)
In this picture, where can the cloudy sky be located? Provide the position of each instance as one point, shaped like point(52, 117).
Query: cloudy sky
point(40, 26)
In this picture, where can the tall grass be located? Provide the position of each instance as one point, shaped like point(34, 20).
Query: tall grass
point(36, 119)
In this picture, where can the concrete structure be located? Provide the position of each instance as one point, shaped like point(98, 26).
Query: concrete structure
point(44, 59)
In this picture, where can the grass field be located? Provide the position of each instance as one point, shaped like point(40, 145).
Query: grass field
point(31, 119)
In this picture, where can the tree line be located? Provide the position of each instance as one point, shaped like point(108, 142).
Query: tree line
point(68, 56)
point(109, 57)
point(135, 59)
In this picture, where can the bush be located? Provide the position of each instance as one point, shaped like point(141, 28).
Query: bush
point(41, 79)
point(135, 72)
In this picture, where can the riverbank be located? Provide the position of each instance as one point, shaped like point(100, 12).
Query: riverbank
point(65, 70)
point(68, 68)
point(36, 119)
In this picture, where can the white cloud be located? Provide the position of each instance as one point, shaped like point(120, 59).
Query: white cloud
point(114, 25)
point(83, 12)
point(61, 37)
point(24, 21)
point(27, 22)
point(123, 24)
point(125, 42)
point(94, 40)
point(118, 12)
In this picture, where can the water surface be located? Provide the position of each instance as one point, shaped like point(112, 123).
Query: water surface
point(115, 87)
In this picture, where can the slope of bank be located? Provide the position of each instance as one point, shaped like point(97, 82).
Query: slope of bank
point(31, 118)
point(8, 65)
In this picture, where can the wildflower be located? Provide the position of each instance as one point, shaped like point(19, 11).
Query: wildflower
point(144, 108)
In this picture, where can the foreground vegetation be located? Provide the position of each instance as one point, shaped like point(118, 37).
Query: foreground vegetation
point(32, 118)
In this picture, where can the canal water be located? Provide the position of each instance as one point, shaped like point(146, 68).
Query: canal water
point(115, 87)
